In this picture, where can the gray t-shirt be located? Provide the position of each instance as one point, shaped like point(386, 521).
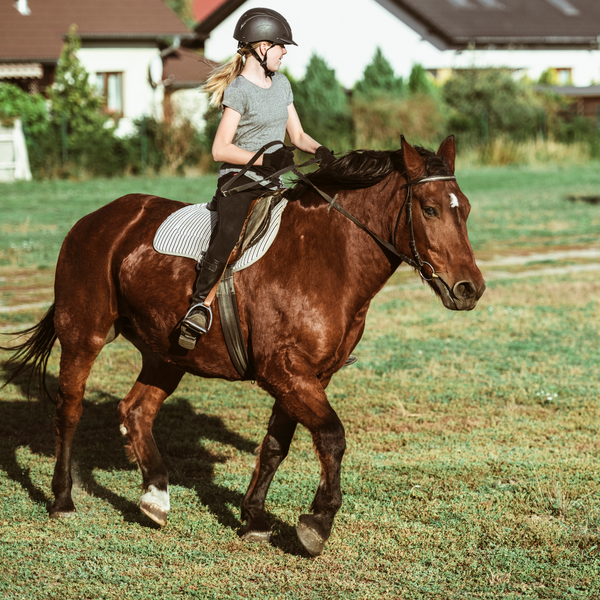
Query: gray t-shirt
point(264, 112)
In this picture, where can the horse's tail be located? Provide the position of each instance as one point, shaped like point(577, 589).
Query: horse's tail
point(33, 354)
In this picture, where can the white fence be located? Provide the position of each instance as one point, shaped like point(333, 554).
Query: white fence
point(14, 160)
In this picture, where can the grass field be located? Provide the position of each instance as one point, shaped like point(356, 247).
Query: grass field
point(472, 468)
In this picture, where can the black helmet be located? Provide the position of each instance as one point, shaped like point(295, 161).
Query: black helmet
point(262, 24)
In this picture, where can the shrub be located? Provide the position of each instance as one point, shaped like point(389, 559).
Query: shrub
point(379, 122)
point(490, 102)
point(14, 102)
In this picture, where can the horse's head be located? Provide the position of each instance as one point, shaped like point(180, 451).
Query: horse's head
point(439, 214)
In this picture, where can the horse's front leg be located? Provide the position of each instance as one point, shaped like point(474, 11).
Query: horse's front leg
point(137, 411)
point(272, 452)
point(303, 398)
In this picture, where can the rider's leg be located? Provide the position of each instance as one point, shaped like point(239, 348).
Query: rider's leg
point(232, 212)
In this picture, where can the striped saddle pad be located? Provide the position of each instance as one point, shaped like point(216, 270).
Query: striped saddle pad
point(187, 233)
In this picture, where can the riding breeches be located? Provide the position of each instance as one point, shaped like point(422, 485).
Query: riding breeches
point(232, 212)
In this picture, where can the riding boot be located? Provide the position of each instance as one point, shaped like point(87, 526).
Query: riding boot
point(198, 319)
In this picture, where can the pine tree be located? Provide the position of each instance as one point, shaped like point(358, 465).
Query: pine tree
point(419, 82)
point(72, 95)
point(379, 77)
point(323, 106)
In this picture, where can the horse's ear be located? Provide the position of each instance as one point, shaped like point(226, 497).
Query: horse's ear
point(447, 152)
point(412, 160)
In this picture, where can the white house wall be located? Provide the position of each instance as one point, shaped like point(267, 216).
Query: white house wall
point(139, 98)
point(190, 104)
point(346, 33)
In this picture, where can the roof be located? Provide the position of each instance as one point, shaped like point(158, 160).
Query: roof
point(186, 69)
point(39, 36)
point(210, 13)
point(590, 91)
point(498, 24)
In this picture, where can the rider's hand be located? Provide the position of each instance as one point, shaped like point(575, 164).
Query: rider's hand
point(324, 156)
point(281, 158)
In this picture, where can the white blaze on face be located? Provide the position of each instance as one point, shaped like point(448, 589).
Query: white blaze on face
point(453, 201)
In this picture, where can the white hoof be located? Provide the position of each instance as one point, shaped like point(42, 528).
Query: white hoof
point(155, 504)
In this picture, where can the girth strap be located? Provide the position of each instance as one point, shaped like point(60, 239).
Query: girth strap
point(230, 323)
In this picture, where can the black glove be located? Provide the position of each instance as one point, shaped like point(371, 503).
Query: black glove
point(324, 156)
point(279, 159)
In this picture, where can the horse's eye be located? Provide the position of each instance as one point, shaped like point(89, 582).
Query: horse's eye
point(430, 211)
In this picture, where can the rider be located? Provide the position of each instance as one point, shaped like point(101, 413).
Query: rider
point(257, 105)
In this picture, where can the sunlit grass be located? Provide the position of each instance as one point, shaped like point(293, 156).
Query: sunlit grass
point(473, 442)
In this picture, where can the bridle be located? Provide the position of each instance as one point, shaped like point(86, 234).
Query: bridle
point(415, 261)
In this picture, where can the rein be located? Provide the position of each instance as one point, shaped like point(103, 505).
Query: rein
point(416, 261)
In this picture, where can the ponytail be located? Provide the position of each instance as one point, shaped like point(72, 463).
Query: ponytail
point(222, 77)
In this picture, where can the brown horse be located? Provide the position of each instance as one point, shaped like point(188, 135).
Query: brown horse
point(302, 309)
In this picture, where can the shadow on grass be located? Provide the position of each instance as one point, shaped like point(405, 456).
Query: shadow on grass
point(179, 430)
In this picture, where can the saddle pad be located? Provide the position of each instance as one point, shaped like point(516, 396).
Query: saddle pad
point(187, 231)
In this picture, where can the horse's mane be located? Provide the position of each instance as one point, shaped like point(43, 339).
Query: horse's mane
point(360, 169)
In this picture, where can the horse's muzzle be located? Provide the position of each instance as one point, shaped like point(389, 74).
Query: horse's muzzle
point(462, 296)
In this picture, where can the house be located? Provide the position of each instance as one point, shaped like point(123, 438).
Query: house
point(126, 45)
point(527, 36)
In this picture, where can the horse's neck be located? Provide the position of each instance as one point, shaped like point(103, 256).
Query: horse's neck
point(366, 267)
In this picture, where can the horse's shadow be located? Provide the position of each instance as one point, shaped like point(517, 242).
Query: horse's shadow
point(180, 432)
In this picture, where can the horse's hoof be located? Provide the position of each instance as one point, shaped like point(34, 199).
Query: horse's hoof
point(312, 541)
point(262, 537)
point(155, 513)
point(155, 504)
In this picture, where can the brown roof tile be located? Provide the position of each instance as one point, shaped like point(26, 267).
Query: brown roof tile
point(40, 35)
point(530, 23)
point(185, 68)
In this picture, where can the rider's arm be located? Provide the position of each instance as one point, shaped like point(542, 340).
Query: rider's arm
point(223, 150)
point(298, 136)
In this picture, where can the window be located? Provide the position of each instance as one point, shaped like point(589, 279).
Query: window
point(110, 85)
point(563, 76)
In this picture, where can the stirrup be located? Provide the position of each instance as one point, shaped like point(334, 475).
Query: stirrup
point(190, 331)
point(350, 361)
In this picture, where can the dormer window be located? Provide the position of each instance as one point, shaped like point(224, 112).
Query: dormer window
point(23, 7)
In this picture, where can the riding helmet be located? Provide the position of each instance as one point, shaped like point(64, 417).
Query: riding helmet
point(263, 25)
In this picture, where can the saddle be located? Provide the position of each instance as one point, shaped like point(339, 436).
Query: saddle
point(187, 232)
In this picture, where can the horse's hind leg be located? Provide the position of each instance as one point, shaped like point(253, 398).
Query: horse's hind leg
point(75, 367)
point(137, 411)
point(273, 450)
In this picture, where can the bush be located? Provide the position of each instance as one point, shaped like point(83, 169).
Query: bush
point(379, 122)
point(14, 102)
point(490, 102)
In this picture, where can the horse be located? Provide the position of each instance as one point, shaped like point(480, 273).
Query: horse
point(302, 311)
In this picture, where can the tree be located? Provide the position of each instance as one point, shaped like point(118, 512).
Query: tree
point(379, 78)
point(72, 95)
point(323, 106)
point(419, 82)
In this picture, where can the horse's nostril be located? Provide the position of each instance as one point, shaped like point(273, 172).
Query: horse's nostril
point(464, 290)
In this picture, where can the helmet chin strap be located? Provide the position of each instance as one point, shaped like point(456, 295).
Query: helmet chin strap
point(262, 61)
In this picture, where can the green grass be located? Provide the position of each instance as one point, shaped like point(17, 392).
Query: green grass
point(472, 461)
point(37, 215)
